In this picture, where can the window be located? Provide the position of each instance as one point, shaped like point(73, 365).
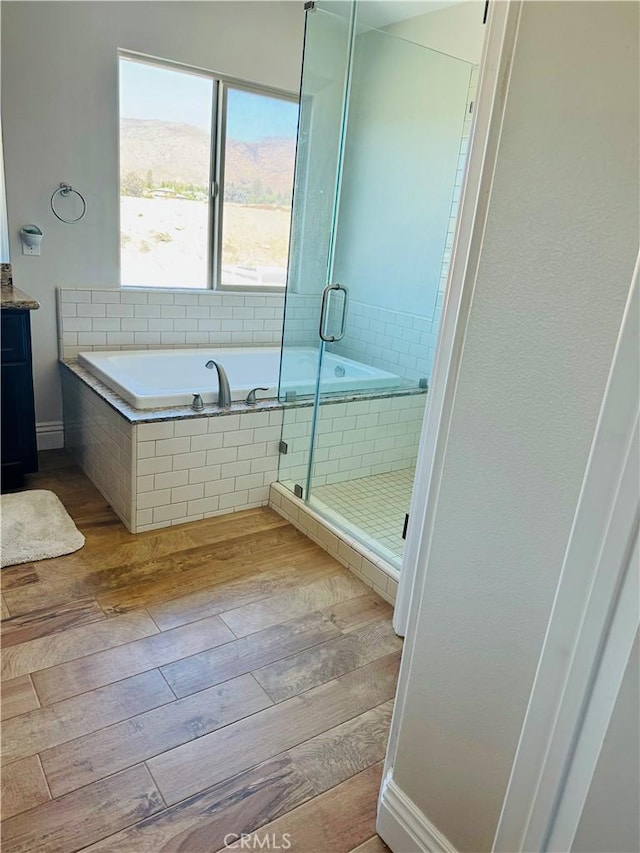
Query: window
point(206, 179)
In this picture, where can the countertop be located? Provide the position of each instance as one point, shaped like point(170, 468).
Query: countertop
point(13, 299)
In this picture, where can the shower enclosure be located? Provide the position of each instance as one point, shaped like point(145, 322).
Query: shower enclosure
point(384, 127)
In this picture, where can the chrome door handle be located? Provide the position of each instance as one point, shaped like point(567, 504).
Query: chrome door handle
point(323, 314)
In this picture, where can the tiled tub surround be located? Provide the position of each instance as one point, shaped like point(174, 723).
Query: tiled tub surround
point(169, 466)
point(159, 467)
point(92, 319)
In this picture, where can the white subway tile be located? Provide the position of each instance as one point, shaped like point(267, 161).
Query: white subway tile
point(269, 463)
point(150, 432)
point(120, 338)
point(190, 426)
point(267, 433)
point(235, 469)
point(210, 441)
point(89, 309)
point(144, 516)
point(185, 298)
point(204, 475)
point(189, 460)
point(160, 298)
point(153, 464)
point(254, 419)
point(160, 325)
point(187, 493)
point(130, 297)
point(197, 313)
point(224, 423)
point(173, 311)
point(185, 326)
point(92, 338)
point(172, 337)
point(169, 512)
point(204, 505)
point(252, 451)
point(219, 487)
point(223, 454)
point(105, 296)
point(70, 295)
point(234, 500)
point(107, 324)
point(119, 310)
point(135, 325)
point(171, 479)
point(159, 497)
point(76, 324)
point(249, 481)
point(145, 483)
point(147, 311)
point(171, 446)
point(239, 437)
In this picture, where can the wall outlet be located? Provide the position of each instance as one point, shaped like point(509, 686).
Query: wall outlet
point(30, 250)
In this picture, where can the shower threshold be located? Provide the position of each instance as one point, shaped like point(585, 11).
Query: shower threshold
point(374, 560)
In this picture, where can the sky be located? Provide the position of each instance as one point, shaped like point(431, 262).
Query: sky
point(154, 92)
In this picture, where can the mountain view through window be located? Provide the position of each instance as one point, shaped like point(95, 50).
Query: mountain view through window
point(173, 232)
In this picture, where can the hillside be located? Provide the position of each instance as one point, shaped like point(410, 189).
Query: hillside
point(159, 151)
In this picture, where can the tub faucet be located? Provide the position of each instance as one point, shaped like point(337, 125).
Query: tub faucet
point(252, 400)
point(224, 392)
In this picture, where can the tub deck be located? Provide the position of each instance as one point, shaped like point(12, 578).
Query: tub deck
point(245, 684)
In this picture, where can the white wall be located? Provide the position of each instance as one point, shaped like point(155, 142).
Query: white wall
point(610, 818)
point(559, 248)
point(59, 105)
point(456, 30)
point(406, 114)
point(4, 234)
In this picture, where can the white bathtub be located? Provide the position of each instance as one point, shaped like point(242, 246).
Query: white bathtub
point(149, 379)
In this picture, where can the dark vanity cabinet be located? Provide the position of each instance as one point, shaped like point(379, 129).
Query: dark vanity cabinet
point(19, 451)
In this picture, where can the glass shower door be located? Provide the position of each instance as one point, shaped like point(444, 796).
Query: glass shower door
point(323, 102)
point(380, 160)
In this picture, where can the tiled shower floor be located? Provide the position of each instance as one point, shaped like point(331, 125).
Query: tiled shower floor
point(373, 507)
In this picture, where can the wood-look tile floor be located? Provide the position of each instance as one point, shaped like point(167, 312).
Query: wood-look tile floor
point(174, 690)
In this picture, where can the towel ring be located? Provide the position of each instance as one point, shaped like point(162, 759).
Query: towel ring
point(66, 190)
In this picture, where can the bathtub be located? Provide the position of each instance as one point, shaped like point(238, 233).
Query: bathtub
point(150, 379)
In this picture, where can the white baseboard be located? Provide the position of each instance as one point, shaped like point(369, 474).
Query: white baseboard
point(404, 828)
point(50, 435)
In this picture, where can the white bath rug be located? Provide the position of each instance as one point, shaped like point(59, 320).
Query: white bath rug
point(36, 526)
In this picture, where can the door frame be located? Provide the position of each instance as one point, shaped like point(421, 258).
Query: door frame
point(495, 68)
point(592, 628)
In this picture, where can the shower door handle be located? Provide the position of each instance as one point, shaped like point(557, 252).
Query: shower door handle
point(323, 314)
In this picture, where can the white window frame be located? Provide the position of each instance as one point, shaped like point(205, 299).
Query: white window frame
point(221, 85)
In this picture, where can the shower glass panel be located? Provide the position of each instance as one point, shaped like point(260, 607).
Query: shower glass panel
point(327, 47)
point(378, 175)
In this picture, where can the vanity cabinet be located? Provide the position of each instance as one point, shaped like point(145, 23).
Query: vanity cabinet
point(18, 427)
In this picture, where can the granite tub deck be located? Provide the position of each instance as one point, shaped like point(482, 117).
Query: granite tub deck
point(160, 467)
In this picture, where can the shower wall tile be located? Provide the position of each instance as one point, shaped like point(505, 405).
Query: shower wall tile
point(399, 342)
point(94, 319)
point(354, 439)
